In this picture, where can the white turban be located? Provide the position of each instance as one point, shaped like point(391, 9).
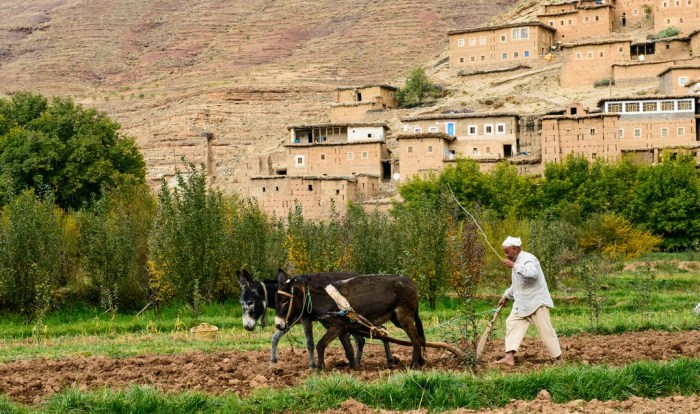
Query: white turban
point(512, 241)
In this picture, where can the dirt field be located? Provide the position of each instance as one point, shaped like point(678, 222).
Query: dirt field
point(30, 381)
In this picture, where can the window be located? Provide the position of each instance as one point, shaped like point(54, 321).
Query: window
point(664, 132)
point(592, 131)
point(590, 55)
point(586, 19)
point(500, 129)
point(473, 58)
point(681, 131)
point(263, 189)
point(471, 130)
point(637, 132)
point(561, 22)
point(277, 188)
point(430, 148)
point(433, 129)
point(619, 49)
point(299, 160)
point(520, 33)
point(461, 60)
point(475, 151)
point(678, 3)
point(504, 56)
point(410, 149)
point(614, 107)
point(516, 54)
point(569, 22)
point(601, 54)
point(551, 23)
point(311, 187)
point(460, 42)
point(526, 53)
point(668, 105)
point(503, 38)
point(621, 133)
point(635, 12)
point(418, 130)
point(632, 107)
point(488, 150)
point(665, 4)
point(482, 40)
point(597, 18)
point(351, 156)
point(578, 56)
point(323, 157)
point(649, 107)
point(365, 154)
point(668, 21)
point(488, 129)
point(472, 41)
point(682, 80)
point(685, 105)
point(483, 57)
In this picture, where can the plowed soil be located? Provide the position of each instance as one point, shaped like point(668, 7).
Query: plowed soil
point(31, 381)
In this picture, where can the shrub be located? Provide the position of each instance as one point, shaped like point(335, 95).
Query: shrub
point(614, 236)
point(669, 32)
point(417, 89)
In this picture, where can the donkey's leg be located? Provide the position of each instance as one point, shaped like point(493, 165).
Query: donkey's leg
point(390, 360)
point(360, 344)
point(275, 340)
point(405, 319)
point(333, 332)
point(349, 350)
point(309, 334)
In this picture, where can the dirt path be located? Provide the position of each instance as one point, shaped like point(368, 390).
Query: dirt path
point(30, 381)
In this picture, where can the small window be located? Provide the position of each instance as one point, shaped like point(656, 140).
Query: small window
point(323, 156)
point(263, 189)
point(592, 131)
point(430, 148)
point(365, 154)
point(649, 107)
point(351, 156)
point(621, 133)
point(475, 151)
point(578, 55)
point(590, 55)
point(433, 129)
point(410, 149)
point(516, 54)
point(500, 129)
point(685, 105)
point(682, 80)
point(311, 187)
point(299, 160)
point(668, 105)
point(664, 132)
point(681, 131)
point(337, 192)
point(473, 58)
point(504, 56)
point(369, 135)
point(668, 21)
point(601, 54)
point(461, 60)
point(569, 22)
point(418, 130)
point(635, 12)
point(482, 40)
point(526, 53)
point(488, 150)
point(597, 18)
point(460, 42)
point(503, 38)
point(277, 188)
point(586, 19)
point(472, 41)
point(620, 49)
point(471, 130)
point(483, 58)
point(551, 23)
point(614, 107)
point(632, 107)
point(665, 4)
point(488, 129)
point(637, 132)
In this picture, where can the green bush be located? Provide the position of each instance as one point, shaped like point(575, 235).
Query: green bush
point(418, 88)
point(669, 32)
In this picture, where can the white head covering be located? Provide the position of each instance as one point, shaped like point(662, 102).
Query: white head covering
point(512, 241)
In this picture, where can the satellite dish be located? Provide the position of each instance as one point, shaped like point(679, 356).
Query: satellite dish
point(396, 176)
point(642, 58)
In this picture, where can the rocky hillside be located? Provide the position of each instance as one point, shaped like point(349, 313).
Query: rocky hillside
point(169, 70)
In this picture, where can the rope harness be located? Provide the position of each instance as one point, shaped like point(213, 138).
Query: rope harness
point(347, 311)
point(306, 306)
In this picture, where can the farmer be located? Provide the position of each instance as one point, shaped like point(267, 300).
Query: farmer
point(531, 301)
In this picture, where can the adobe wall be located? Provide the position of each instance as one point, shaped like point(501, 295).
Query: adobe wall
point(351, 113)
point(336, 160)
point(680, 130)
point(670, 82)
point(670, 49)
point(579, 24)
point(629, 74)
point(559, 7)
point(632, 14)
point(420, 156)
point(496, 47)
point(590, 136)
point(682, 14)
point(375, 93)
point(695, 43)
point(585, 64)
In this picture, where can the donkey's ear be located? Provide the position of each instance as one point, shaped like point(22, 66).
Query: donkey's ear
point(282, 277)
point(244, 278)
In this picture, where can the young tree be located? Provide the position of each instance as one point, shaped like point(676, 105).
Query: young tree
point(418, 88)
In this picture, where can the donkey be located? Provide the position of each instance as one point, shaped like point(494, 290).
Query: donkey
point(377, 298)
point(256, 297)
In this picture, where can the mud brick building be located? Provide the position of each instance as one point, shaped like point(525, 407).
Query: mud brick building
point(676, 80)
point(352, 104)
point(578, 20)
point(587, 62)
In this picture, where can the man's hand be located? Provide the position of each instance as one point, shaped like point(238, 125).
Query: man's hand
point(503, 301)
point(508, 263)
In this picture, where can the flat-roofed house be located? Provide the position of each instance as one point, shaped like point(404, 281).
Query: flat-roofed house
point(496, 46)
point(640, 128)
point(681, 14)
point(676, 80)
point(585, 63)
point(353, 103)
point(633, 14)
point(480, 135)
point(337, 150)
point(422, 153)
point(578, 22)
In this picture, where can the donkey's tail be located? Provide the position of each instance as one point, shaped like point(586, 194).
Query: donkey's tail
point(419, 326)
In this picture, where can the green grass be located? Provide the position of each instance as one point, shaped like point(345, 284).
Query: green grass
point(437, 391)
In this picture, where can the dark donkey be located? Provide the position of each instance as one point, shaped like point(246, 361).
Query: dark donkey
point(256, 297)
point(377, 298)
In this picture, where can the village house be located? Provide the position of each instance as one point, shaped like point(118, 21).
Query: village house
point(496, 46)
point(585, 63)
point(352, 104)
point(632, 14)
point(423, 153)
point(676, 80)
point(640, 128)
point(681, 14)
point(574, 22)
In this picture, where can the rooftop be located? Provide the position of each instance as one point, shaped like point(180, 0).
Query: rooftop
point(459, 115)
point(502, 26)
point(341, 125)
point(371, 85)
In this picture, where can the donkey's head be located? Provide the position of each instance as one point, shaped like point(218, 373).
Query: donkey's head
point(291, 299)
point(253, 299)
